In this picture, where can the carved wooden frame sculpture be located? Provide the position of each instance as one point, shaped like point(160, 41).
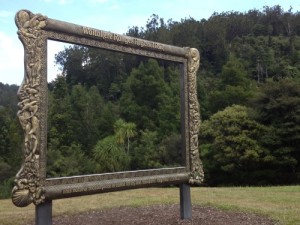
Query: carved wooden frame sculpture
point(31, 185)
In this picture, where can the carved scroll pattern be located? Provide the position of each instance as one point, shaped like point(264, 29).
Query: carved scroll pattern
point(27, 188)
point(197, 174)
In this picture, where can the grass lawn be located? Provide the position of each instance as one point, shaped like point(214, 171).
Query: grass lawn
point(281, 203)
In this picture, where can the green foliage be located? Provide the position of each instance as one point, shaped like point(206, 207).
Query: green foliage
point(146, 154)
point(68, 161)
point(139, 101)
point(10, 150)
point(8, 97)
point(59, 113)
point(72, 61)
point(231, 147)
point(150, 151)
point(171, 146)
point(234, 74)
point(124, 131)
point(169, 104)
point(4, 131)
point(234, 87)
point(151, 98)
point(110, 156)
point(90, 66)
point(5, 170)
point(278, 106)
point(6, 187)
point(278, 101)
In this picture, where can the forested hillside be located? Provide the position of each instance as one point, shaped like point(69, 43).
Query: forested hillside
point(113, 112)
point(10, 138)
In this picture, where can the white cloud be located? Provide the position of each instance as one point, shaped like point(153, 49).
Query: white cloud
point(115, 7)
point(5, 17)
point(64, 2)
point(98, 1)
point(5, 13)
point(60, 2)
point(47, 1)
point(53, 47)
point(11, 63)
point(12, 59)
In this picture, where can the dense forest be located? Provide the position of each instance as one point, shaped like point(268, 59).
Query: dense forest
point(113, 112)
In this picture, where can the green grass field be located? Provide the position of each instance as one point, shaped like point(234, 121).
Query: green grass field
point(281, 203)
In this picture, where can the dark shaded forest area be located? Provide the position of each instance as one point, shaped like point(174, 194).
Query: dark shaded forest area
point(114, 112)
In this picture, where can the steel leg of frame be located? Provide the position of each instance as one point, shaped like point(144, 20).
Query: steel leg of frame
point(43, 214)
point(185, 202)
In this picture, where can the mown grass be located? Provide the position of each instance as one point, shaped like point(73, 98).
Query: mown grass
point(280, 203)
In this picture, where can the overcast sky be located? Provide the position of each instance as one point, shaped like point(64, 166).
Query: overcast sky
point(109, 15)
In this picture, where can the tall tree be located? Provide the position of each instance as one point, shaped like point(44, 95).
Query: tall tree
point(60, 130)
point(234, 86)
point(141, 96)
point(109, 156)
point(277, 104)
point(124, 131)
point(146, 153)
point(232, 150)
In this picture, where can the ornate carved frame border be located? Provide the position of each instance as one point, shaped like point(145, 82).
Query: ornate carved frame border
point(31, 185)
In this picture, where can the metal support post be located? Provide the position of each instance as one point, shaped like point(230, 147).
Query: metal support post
point(185, 202)
point(43, 214)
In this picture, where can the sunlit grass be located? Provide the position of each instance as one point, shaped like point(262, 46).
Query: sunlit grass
point(281, 203)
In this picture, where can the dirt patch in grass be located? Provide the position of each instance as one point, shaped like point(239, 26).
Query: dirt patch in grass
point(163, 215)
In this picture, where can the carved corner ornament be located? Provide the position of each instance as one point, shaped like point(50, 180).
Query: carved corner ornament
point(27, 188)
point(196, 174)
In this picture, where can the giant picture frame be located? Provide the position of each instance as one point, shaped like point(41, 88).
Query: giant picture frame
point(31, 184)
